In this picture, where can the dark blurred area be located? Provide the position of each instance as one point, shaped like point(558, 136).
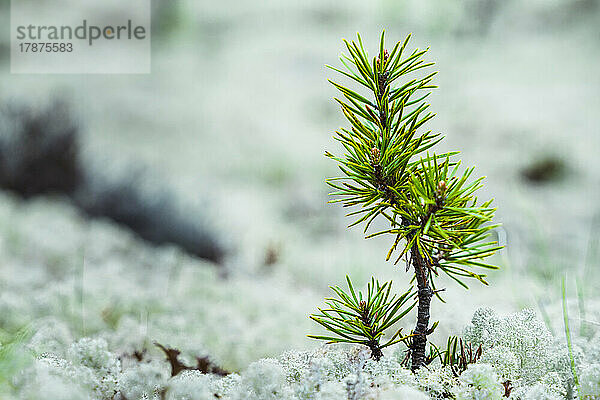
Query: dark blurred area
point(40, 154)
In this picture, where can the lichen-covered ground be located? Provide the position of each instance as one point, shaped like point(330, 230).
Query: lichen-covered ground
point(233, 121)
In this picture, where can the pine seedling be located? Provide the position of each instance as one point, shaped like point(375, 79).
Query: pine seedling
point(387, 172)
point(355, 318)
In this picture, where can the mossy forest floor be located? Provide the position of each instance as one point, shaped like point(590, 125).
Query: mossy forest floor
point(233, 122)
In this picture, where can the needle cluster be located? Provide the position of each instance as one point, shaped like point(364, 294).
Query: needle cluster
point(390, 172)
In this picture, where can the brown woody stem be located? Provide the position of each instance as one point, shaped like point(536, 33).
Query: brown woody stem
point(376, 352)
point(424, 294)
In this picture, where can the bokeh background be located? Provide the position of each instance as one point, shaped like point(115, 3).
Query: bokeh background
point(188, 206)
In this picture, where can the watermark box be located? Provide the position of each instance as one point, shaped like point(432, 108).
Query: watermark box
point(80, 36)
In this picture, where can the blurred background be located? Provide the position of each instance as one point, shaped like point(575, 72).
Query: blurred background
point(188, 206)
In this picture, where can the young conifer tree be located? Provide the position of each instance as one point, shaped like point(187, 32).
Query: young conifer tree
point(435, 220)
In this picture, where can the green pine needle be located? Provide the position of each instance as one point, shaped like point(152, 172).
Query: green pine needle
point(357, 317)
point(388, 172)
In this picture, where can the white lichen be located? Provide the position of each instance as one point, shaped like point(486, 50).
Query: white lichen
point(519, 346)
point(589, 380)
point(479, 382)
